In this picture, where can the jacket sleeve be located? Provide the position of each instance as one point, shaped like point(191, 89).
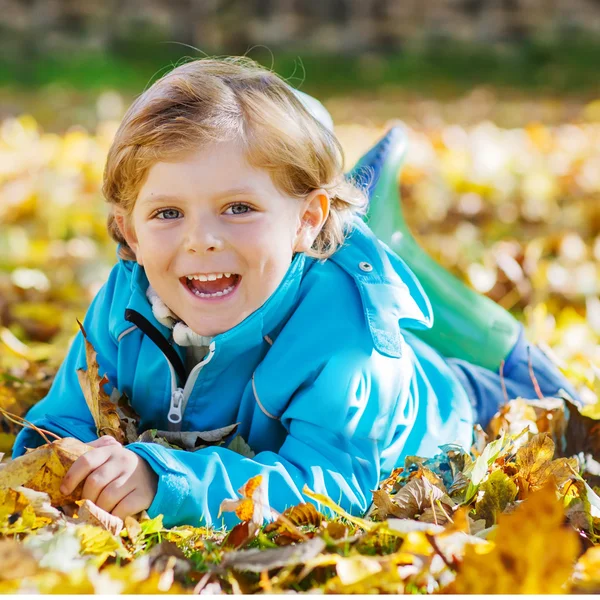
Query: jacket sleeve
point(64, 410)
point(336, 428)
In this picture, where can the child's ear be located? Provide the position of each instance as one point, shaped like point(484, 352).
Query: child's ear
point(314, 213)
point(127, 230)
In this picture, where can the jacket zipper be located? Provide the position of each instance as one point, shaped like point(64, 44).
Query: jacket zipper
point(179, 396)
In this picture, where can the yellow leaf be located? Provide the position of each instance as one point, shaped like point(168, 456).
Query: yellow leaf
point(331, 505)
point(354, 568)
point(250, 506)
point(100, 543)
point(586, 577)
point(533, 553)
point(17, 515)
point(43, 469)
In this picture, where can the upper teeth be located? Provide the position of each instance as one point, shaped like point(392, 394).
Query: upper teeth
point(209, 277)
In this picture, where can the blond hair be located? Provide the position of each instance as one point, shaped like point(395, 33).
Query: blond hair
point(211, 100)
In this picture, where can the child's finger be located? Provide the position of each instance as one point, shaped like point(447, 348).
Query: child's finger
point(132, 504)
point(114, 492)
point(83, 466)
point(99, 479)
point(105, 440)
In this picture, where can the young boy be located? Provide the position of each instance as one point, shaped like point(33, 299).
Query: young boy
point(248, 291)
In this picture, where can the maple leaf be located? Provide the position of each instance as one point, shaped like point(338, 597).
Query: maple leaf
point(533, 552)
point(43, 469)
point(104, 411)
point(536, 467)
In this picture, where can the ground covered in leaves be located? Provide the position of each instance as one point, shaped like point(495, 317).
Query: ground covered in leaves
point(514, 212)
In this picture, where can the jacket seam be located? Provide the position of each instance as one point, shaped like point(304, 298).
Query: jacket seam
point(127, 331)
point(260, 404)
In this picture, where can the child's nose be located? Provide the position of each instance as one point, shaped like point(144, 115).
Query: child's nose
point(200, 239)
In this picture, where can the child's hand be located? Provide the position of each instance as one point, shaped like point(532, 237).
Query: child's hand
point(116, 479)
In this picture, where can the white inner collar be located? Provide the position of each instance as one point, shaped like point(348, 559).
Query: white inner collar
point(182, 334)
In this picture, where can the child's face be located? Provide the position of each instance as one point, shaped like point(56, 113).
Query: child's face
point(212, 214)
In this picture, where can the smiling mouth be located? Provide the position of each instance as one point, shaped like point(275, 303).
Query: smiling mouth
point(212, 289)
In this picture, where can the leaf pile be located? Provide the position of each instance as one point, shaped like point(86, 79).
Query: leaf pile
point(510, 518)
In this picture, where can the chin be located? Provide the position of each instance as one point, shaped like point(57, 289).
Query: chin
point(209, 331)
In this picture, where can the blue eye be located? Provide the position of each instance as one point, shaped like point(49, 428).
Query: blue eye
point(167, 214)
point(239, 205)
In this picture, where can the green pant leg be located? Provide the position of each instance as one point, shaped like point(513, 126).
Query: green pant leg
point(466, 324)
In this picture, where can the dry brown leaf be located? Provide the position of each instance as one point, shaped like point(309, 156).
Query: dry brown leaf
point(134, 529)
point(413, 499)
point(535, 466)
point(439, 515)
point(129, 418)
point(335, 529)
point(104, 411)
point(94, 515)
point(301, 514)
point(16, 560)
point(187, 440)
point(43, 469)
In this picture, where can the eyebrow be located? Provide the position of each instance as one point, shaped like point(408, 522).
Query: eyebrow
point(161, 198)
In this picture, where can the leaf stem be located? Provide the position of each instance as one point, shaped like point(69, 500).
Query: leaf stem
point(25, 423)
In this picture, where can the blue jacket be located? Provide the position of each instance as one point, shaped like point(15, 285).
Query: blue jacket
point(339, 398)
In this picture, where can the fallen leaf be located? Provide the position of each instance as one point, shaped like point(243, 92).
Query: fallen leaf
point(586, 575)
point(129, 419)
point(104, 411)
point(167, 556)
point(16, 560)
point(43, 469)
point(17, 515)
point(257, 560)
point(94, 515)
point(188, 440)
point(133, 527)
point(412, 500)
point(533, 552)
point(250, 508)
point(40, 502)
point(355, 568)
point(239, 445)
point(301, 514)
point(536, 467)
point(99, 543)
point(498, 491)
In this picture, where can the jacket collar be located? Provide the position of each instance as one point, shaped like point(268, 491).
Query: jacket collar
point(391, 295)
